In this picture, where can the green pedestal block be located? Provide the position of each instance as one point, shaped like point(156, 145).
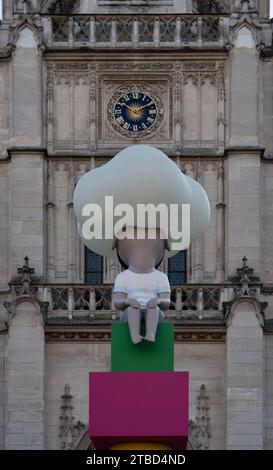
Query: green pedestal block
point(142, 357)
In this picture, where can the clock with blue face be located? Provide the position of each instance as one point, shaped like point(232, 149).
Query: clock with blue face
point(135, 111)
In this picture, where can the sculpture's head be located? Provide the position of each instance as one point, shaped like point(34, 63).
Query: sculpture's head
point(111, 202)
point(140, 254)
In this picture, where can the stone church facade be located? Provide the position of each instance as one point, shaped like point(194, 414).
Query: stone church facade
point(210, 66)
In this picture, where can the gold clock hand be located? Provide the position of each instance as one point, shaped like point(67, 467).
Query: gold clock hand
point(148, 104)
point(129, 107)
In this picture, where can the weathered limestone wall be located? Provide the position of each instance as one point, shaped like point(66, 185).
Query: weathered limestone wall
point(2, 389)
point(4, 106)
point(4, 224)
point(266, 108)
point(243, 210)
point(268, 411)
point(243, 183)
point(27, 211)
point(71, 363)
point(245, 377)
point(5, 93)
point(27, 169)
point(25, 399)
point(206, 365)
point(27, 98)
point(267, 222)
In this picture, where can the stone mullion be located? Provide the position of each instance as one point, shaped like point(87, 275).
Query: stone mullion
point(178, 111)
point(199, 104)
point(220, 255)
point(71, 227)
point(92, 107)
point(198, 254)
point(50, 108)
point(220, 108)
point(51, 268)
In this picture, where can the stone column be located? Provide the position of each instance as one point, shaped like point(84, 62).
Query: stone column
point(244, 375)
point(25, 417)
point(2, 390)
point(71, 226)
point(27, 155)
point(220, 254)
point(243, 186)
point(50, 223)
point(27, 209)
point(198, 245)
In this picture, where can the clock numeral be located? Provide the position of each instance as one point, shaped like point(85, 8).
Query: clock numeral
point(117, 112)
point(135, 128)
point(126, 126)
point(149, 119)
point(144, 126)
point(120, 120)
point(126, 97)
point(135, 95)
point(152, 111)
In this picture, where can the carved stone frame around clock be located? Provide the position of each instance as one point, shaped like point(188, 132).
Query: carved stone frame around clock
point(158, 85)
point(136, 87)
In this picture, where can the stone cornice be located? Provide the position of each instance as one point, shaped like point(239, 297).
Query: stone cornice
point(135, 55)
point(244, 149)
point(26, 149)
point(206, 333)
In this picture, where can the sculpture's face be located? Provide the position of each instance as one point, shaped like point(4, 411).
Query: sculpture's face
point(141, 254)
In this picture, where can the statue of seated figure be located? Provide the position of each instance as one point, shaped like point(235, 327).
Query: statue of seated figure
point(141, 291)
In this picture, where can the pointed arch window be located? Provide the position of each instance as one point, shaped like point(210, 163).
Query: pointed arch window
point(93, 267)
point(177, 268)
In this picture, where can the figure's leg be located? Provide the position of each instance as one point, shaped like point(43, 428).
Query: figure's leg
point(134, 321)
point(151, 320)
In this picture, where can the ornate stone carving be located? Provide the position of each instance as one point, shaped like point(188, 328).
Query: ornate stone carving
point(69, 430)
point(199, 430)
point(135, 87)
point(160, 85)
point(210, 6)
point(62, 6)
point(23, 283)
point(5, 52)
point(70, 124)
point(136, 31)
point(247, 292)
point(132, 66)
point(9, 307)
point(95, 333)
point(27, 21)
point(245, 277)
point(247, 20)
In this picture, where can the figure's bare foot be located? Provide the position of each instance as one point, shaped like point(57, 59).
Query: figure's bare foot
point(150, 338)
point(137, 339)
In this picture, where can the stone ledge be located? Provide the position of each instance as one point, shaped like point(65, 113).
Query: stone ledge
point(102, 333)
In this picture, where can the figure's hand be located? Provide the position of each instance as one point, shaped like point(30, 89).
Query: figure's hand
point(133, 303)
point(153, 303)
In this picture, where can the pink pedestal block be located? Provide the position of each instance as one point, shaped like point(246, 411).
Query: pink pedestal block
point(138, 407)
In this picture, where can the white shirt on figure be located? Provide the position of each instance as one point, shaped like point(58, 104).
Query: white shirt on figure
point(142, 287)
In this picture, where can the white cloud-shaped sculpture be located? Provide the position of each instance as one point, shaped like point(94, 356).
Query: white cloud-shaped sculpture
point(140, 174)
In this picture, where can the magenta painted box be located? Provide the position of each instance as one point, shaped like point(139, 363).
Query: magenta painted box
point(138, 407)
